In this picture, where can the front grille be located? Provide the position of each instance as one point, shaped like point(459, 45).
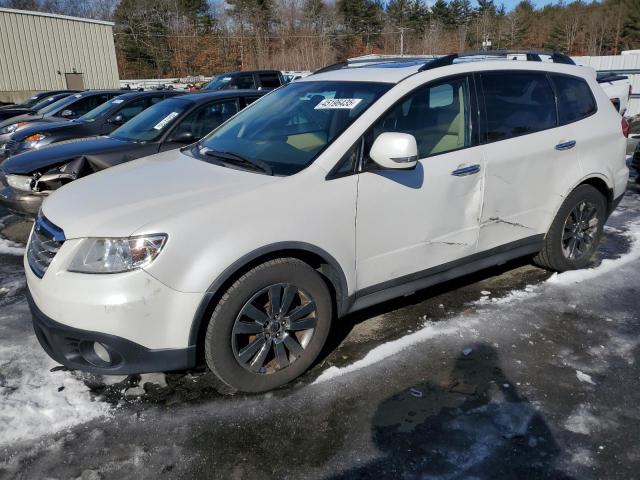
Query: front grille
point(46, 240)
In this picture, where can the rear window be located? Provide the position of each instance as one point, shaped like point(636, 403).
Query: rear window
point(575, 100)
point(517, 103)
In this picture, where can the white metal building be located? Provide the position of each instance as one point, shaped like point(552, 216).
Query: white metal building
point(41, 51)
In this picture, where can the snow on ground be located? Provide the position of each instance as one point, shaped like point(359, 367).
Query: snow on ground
point(10, 248)
point(34, 401)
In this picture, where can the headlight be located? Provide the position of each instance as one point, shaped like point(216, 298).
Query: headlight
point(116, 255)
point(20, 182)
point(35, 138)
point(13, 127)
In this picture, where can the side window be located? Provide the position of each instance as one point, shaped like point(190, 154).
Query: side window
point(249, 100)
point(269, 80)
point(437, 115)
point(154, 100)
point(575, 100)
point(517, 103)
point(132, 109)
point(243, 81)
point(86, 104)
point(207, 117)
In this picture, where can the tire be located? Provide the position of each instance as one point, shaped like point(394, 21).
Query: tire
point(572, 222)
point(243, 321)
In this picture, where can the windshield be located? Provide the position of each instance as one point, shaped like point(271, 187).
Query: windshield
point(100, 110)
point(55, 106)
point(288, 128)
point(221, 82)
point(152, 122)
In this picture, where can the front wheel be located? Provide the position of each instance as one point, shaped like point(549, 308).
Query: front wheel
point(575, 232)
point(269, 326)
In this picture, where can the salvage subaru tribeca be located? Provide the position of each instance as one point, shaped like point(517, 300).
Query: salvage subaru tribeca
point(355, 185)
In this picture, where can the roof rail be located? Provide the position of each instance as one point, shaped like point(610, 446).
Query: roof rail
point(531, 55)
point(372, 59)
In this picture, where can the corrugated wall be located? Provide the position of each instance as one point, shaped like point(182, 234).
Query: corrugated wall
point(35, 47)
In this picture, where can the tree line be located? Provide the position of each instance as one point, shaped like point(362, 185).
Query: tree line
point(173, 38)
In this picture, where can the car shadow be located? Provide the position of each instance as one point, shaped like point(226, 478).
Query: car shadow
point(475, 424)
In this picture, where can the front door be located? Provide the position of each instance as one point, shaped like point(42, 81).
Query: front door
point(409, 221)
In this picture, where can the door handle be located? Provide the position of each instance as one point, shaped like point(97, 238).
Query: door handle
point(568, 145)
point(464, 171)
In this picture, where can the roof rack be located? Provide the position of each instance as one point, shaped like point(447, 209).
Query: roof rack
point(531, 56)
point(436, 62)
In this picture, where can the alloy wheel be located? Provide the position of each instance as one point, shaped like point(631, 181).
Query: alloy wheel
point(580, 230)
point(273, 328)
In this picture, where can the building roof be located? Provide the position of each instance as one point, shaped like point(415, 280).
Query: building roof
point(53, 15)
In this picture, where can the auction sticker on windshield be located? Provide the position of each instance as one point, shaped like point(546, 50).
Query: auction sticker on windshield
point(338, 103)
point(163, 123)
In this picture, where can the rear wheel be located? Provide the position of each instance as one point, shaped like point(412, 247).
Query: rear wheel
point(269, 326)
point(575, 232)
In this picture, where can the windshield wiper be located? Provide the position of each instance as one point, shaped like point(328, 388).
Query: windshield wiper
point(236, 159)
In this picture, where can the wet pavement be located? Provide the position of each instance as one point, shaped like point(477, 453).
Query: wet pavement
point(508, 373)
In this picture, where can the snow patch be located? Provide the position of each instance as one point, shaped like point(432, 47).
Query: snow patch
point(584, 378)
point(389, 349)
point(581, 421)
point(8, 247)
point(35, 402)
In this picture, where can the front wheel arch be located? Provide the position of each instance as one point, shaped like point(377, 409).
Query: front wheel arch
point(317, 258)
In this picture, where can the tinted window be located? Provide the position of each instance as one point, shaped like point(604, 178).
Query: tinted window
point(134, 108)
point(517, 104)
point(242, 82)
point(575, 100)
point(207, 117)
point(86, 104)
point(436, 115)
point(269, 80)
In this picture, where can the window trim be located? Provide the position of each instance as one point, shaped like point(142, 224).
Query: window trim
point(555, 90)
point(485, 139)
point(473, 125)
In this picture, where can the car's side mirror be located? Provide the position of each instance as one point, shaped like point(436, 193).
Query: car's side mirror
point(182, 137)
point(395, 150)
point(67, 113)
point(117, 120)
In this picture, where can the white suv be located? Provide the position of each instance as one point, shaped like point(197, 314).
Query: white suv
point(357, 184)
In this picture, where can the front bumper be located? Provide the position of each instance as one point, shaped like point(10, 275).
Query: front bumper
point(75, 349)
point(21, 203)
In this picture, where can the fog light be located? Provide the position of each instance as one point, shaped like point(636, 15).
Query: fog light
point(101, 352)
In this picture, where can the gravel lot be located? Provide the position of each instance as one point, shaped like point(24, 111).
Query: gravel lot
point(509, 373)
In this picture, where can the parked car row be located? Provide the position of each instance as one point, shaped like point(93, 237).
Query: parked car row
point(149, 125)
point(245, 233)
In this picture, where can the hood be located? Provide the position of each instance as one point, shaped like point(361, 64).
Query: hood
point(6, 113)
point(21, 118)
point(118, 201)
point(57, 153)
point(44, 125)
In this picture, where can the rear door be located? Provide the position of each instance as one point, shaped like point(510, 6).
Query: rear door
point(530, 159)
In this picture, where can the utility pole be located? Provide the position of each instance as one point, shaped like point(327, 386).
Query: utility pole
point(402, 29)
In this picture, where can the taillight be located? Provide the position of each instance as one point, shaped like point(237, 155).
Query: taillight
point(625, 127)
